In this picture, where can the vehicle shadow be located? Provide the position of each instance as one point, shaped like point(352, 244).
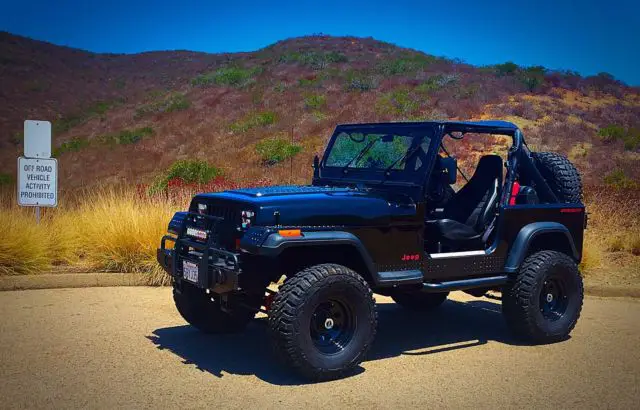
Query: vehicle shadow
point(455, 325)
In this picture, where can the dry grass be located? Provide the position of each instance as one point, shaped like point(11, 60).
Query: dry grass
point(117, 230)
point(102, 230)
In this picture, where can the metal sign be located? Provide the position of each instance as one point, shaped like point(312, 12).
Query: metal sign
point(37, 139)
point(37, 182)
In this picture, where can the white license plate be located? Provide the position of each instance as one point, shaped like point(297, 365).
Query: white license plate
point(190, 271)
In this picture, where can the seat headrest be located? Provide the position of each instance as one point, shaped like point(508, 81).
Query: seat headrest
point(489, 165)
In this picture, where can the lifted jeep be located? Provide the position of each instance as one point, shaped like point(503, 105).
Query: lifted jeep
point(381, 216)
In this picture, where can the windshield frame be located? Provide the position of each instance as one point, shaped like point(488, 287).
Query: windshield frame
point(374, 176)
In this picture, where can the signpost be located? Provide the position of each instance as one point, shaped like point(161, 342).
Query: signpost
point(37, 171)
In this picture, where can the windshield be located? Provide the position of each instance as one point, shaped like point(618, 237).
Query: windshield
point(357, 149)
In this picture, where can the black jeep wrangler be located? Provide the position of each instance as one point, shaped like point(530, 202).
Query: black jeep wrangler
point(381, 216)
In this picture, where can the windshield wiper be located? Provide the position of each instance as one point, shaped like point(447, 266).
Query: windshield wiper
point(406, 156)
point(360, 154)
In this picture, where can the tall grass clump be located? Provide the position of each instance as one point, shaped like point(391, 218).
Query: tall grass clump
point(121, 230)
point(172, 102)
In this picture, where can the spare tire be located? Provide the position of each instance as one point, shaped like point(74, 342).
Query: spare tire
point(563, 178)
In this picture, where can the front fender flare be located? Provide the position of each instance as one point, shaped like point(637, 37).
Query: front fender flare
point(525, 237)
point(275, 244)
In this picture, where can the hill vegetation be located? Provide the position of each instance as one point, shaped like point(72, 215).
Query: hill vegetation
point(144, 120)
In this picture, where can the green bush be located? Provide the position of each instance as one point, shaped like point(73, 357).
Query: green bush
point(231, 76)
point(397, 102)
point(508, 68)
point(313, 59)
point(405, 65)
point(172, 102)
point(125, 137)
point(274, 150)
point(361, 81)
point(190, 171)
point(629, 136)
point(5, 179)
point(258, 119)
point(617, 179)
point(315, 101)
point(313, 82)
point(532, 77)
point(436, 82)
point(73, 145)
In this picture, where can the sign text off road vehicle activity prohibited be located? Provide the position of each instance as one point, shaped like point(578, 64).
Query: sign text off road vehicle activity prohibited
point(37, 182)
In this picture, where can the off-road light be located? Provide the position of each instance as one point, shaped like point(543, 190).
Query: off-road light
point(247, 217)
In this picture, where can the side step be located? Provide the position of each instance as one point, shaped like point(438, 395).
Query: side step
point(464, 284)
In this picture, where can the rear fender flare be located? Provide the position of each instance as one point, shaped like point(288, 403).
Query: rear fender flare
point(528, 234)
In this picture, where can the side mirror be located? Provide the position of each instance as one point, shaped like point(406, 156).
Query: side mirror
point(450, 167)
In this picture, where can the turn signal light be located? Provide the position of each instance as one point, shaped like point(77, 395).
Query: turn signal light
point(290, 232)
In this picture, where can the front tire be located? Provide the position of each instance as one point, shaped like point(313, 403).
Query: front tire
point(543, 301)
point(323, 321)
point(199, 311)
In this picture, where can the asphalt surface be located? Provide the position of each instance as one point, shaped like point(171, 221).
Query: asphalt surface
point(127, 347)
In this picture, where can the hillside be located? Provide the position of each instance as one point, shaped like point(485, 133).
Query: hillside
point(125, 118)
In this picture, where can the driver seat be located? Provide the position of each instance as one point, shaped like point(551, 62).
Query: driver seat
point(471, 210)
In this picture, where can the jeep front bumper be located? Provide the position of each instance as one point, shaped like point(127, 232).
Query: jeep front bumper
point(217, 269)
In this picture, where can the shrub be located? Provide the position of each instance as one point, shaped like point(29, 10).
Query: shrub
point(315, 101)
point(5, 179)
point(189, 171)
point(173, 102)
point(231, 76)
point(125, 137)
point(629, 136)
point(405, 65)
point(254, 120)
point(313, 59)
point(634, 244)
point(73, 145)
point(361, 81)
point(310, 82)
point(397, 102)
point(532, 77)
point(508, 68)
point(274, 150)
point(617, 179)
point(616, 244)
point(436, 82)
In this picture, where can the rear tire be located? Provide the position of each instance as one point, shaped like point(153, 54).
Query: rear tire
point(563, 178)
point(419, 301)
point(199, 311)
point(323, 321)
point(543, 301)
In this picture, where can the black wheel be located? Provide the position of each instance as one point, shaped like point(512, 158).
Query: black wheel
point(419, 300)
point(563, 178)
point(196, 307)
point(322, 321)
point(542, 302)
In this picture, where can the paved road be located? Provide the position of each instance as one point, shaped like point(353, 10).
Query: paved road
point(128, 348)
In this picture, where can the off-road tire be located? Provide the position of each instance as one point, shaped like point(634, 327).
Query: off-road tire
point(294, 313)
point(196, 307)
point(563, 178)
point(419, 301)
point(522, 298)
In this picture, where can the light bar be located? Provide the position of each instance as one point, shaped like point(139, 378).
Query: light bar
point(196, 233)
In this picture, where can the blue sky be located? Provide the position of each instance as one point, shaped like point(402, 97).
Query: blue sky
point(587, 36)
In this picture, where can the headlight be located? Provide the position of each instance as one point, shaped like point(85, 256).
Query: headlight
point(247, 219)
